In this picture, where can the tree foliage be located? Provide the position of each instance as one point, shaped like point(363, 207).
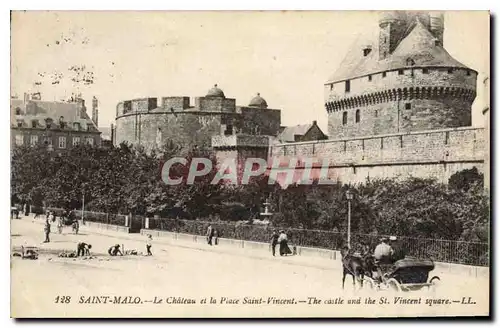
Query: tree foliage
point(127, 180)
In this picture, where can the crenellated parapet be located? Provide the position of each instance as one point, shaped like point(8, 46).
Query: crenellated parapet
point(390, 95)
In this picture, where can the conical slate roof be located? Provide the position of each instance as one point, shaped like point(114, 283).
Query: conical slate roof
point(419, 45)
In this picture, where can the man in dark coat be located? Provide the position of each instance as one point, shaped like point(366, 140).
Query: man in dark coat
point(46, 229)
point(210, 234)
point(274, 241)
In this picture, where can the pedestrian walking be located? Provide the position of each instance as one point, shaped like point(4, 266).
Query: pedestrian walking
point(210, 234)
point(216, 236)
point(148, 245)
point(283, 241)
point(274, 241)
point(46, 229)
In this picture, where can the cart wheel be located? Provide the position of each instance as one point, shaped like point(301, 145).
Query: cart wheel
point(435, 281)
point(394, 285)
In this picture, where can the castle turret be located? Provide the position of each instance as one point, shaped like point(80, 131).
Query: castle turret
point(437, 26)
point(414, 84)
point(392, 26)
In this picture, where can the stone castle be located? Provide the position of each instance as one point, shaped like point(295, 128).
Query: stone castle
point(399, 105)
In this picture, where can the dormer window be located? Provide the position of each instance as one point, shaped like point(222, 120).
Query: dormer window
point(410, 62)
point(76, 126)
point(18, 111)
point(61, 122)
point(34, 124)
point(20, 124)
point(367, 50)
point(48, 123)
point(229, 130)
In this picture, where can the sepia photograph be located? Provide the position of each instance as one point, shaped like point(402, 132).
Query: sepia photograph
point(250, 164)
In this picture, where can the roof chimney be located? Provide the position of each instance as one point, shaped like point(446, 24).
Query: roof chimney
point(315, 122)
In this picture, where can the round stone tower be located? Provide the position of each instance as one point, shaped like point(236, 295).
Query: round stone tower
point(404, 82)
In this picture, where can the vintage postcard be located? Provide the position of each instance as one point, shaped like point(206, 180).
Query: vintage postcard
point(250, 164)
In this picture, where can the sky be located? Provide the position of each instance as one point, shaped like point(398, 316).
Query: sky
point(285, 56)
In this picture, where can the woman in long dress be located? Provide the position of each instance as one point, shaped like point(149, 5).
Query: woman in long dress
point(283, 241)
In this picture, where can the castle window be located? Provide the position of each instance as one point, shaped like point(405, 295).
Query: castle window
point(376, 113)
point(384, 74)
point(344, 118)
point(450, 70)
point(385, 39)
point(468, 73)
point(347, 86)
point(331, 87)
point(401, 72)
point(357, 116)
point(369, 77)
point(407, 106)
point(425, 70)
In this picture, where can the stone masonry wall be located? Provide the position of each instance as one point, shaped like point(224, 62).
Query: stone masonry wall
point(438, 99)
point(437, 153)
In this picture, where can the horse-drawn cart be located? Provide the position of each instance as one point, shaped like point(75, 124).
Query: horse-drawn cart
point(408, 274)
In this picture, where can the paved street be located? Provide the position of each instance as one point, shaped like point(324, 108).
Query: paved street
point(190, 271)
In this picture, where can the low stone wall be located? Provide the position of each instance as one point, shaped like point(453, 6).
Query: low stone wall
point(104, 226)
point(441, 268)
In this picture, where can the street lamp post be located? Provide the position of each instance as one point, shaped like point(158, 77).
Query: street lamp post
point(349, 196)
point(83, 204)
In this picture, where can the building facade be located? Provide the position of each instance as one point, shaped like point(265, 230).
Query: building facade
point(57, 125)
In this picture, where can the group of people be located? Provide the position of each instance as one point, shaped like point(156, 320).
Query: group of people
point(51, 217)
point(83, 249)
point(281, 239)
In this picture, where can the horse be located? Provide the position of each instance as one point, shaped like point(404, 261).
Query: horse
point(356, 266)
